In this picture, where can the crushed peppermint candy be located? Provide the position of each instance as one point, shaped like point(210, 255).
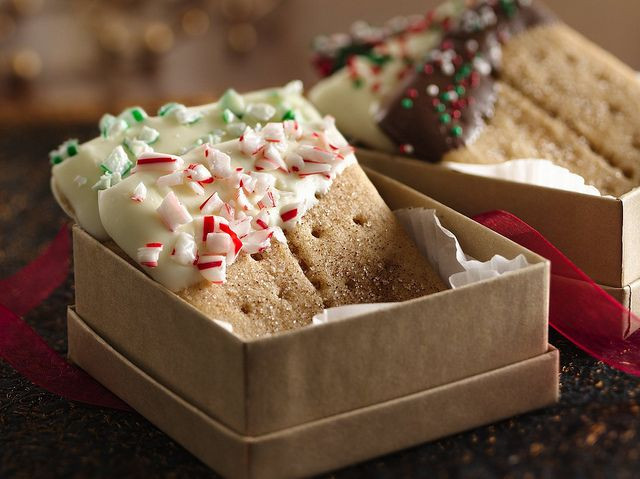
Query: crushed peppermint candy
point(158, 162)
point(68, 149)
point(213, 268)
point(117, 162)
point(139, 193)
point(252, 189)
point(172, 212)
point(185, 251)
point(149, 254)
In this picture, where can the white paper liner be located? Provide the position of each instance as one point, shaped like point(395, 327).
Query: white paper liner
point(531, 171)
point(441, 247)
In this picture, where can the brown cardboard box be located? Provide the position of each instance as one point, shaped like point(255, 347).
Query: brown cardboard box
point(295, 402)
point(324, 444)
point(599, 234)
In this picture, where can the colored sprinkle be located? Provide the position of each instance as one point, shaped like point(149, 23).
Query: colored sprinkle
point(456, 131)
point(445, 118)
point(407, 103)
point(358, 82)
point(460, 90)
point(412, 93)
point(440, 107)
point(406, 148)
point(433, 90)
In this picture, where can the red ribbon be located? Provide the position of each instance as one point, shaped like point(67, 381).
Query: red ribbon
point(579, 309)
point(25, 350)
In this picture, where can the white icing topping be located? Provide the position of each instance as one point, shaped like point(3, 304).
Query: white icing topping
point(173, 133)
point(249, 189)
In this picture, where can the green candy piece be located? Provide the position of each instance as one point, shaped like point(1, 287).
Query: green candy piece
point(166, 108)
point(289, 115)
point(66, 150)
point(228, 116)
point(460, 90)
point(138, 115)
point(233, 101)
point(445, 118)
point(456, 131)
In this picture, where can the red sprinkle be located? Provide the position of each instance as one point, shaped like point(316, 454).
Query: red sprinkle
point(154, 245)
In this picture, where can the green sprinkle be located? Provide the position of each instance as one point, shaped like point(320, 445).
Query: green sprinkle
point(377, 58)
point(56, 159)
point(289, 115)
point(440, 108)
point(358, 82)
point(445, 96)
point(460, 90)
point(445, 118)
point(456, 131)
point(407, 103)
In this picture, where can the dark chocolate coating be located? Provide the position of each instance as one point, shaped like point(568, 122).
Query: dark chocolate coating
point(421, 126)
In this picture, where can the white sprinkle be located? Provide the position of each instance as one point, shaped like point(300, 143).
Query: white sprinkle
point(448, 68)
point(433, 90)
point(482, 66)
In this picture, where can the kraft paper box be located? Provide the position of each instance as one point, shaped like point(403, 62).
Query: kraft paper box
point(319, 397)
point(601, 235)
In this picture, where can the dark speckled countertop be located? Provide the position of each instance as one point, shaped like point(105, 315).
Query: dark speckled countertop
point(592, 432)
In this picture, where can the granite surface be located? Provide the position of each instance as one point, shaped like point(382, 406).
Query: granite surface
point(592, 432)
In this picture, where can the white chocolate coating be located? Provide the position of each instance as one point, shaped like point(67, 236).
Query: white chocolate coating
point(73, 179)
point(133, 224)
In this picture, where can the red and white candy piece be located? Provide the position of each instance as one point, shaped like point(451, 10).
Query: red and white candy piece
point(211, 204)
point(292, 129)
point(139, 193)
point(198, 172)
point(172, 179)
point(172, 212)
point(148, 255)
point(185, 249)
point(158, 162)
point(262, 220)
point(219, 163)
point(250, 141)
point(290, 213)
point(219, 243)
point(213, 267)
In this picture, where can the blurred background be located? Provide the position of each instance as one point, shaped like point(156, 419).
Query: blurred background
point(71, 60)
